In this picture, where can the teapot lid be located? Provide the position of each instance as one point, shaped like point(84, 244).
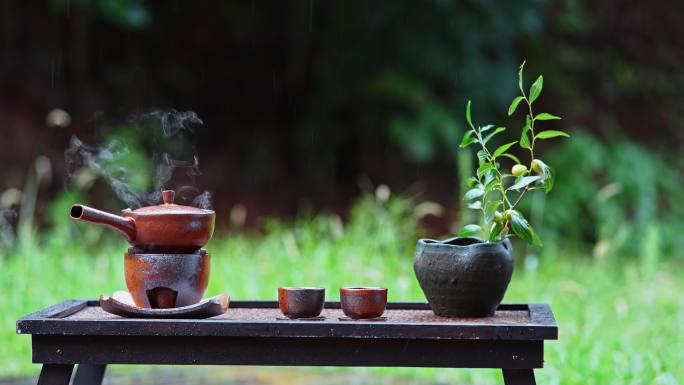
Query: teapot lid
point(168, 207)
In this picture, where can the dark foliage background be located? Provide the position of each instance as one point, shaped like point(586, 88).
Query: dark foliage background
point(303, 100)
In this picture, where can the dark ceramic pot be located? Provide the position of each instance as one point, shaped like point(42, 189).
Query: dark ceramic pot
point(463, 277)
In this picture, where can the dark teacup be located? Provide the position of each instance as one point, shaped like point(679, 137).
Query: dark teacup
point(363, 302)
point(301, 302)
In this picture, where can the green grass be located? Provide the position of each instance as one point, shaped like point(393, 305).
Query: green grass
point(620, 323)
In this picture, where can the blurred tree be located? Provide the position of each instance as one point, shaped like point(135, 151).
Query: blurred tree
point(304, 97)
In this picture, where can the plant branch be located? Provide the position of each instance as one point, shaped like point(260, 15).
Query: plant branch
point(517, 201)
point(491, 159)
point(529, 105)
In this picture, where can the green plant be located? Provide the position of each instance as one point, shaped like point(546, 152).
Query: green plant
point(497, 193)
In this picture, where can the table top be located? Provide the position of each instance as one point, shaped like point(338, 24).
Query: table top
point(404, 320)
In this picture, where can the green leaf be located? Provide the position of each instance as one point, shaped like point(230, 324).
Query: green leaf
point(490, 136)
point(546, 175)
point(484, 168)
point(470, 121)
point(469, 230)
point(524, 138)
point(514, 105)
point(548, 181)
point(491, 187)
point(503, 148)
point(490, 182)
point(536, 88)
point(473, 193)
point(488, 177)
point(494, 231)
point(471, 182)
point(546, 116)
point(525, 141)
point(523, 229)
point(475, 205)
point(548, 134)
point(486, 128)
point(482, 156)
point(520, 75)
point(467, 139)
point(524, 181)
point(489, 210)
point(512, 157)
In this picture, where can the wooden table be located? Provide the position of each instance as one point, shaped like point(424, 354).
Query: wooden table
point(80, 332)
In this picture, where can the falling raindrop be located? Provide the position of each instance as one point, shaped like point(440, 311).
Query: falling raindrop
point(310, 15)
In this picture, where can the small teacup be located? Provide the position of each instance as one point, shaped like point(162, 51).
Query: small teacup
point(301, 302)
point(363, 302)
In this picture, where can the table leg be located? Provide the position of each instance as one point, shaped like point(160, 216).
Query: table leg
point(518, 376)
point(55, 374)
point(89, 374)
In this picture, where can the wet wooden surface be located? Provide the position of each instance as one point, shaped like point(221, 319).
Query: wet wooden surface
point(333, 315)
point(260, 319)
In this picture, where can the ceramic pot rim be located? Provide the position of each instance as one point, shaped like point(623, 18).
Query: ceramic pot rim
point(143, 253)
point(357, 289)
point(301, 288)
point(469, 242)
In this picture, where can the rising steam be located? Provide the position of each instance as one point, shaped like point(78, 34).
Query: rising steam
point(100, 160)
point(171, 121)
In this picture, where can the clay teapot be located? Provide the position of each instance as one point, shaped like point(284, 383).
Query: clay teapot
point(165, 228)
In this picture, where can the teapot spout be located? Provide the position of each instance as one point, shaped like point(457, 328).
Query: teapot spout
point(124, 225)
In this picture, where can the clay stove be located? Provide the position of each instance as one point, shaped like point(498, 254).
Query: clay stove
point(166, 266)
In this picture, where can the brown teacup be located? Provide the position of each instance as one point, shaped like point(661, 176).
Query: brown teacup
point(363, 302)
point(301, 302)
